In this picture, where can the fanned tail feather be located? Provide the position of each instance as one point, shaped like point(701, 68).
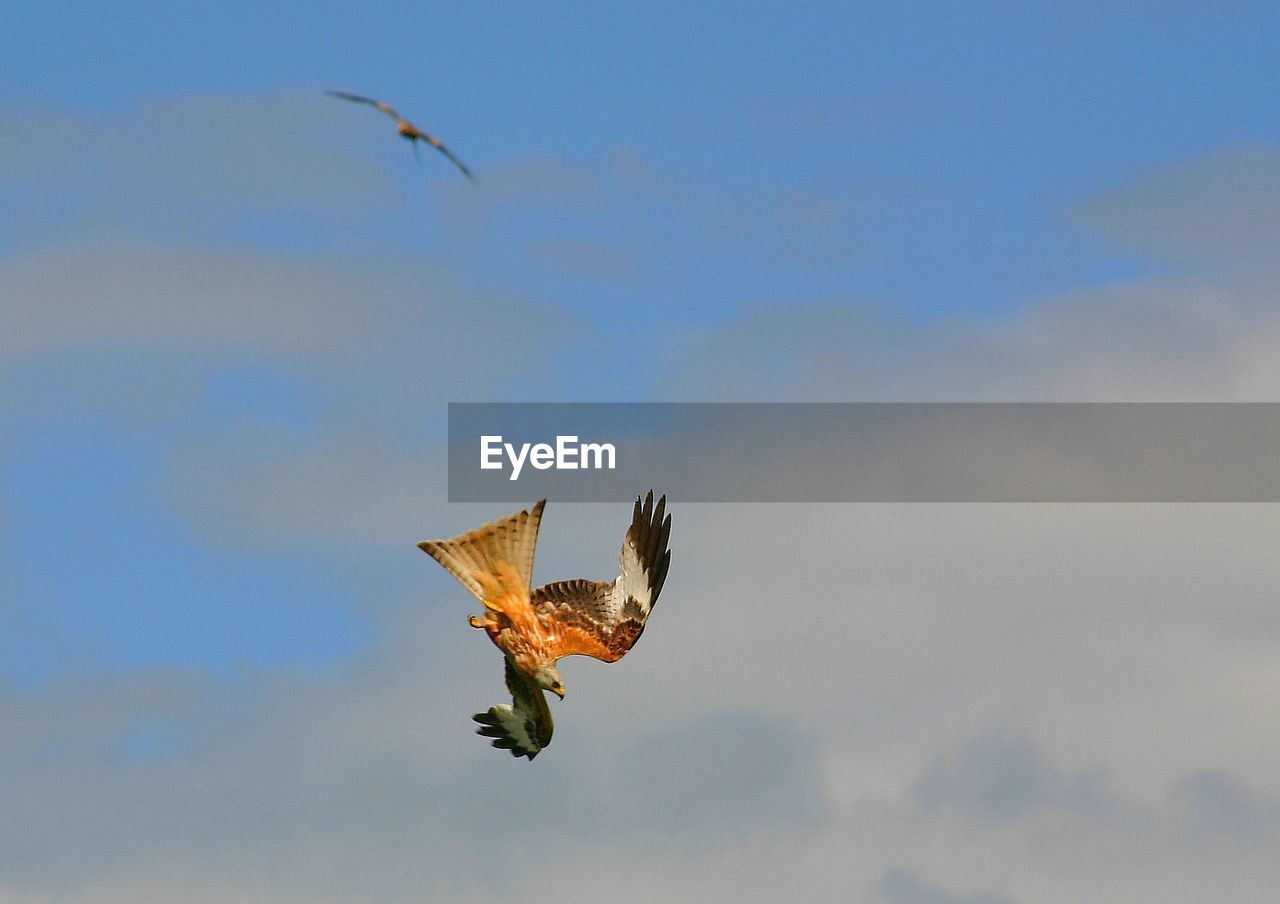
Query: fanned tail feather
point(503, 549)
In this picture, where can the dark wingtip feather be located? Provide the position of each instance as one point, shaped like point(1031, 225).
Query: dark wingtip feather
point(650, 530)
point(660, 574)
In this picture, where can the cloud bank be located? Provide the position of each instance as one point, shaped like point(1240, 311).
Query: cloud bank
point(939, 704)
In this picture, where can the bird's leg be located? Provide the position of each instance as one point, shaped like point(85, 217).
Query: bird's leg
point(416, 155)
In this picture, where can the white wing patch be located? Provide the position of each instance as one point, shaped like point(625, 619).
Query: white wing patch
point(632, 581)
point(604, 619)
point(644, 557)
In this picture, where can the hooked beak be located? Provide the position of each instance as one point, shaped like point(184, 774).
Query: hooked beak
point(558, 691)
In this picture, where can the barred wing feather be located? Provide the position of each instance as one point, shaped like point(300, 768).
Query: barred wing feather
point(604, 619)
point(482, 553)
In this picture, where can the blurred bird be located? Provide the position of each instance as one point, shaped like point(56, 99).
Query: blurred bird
point(406, 129)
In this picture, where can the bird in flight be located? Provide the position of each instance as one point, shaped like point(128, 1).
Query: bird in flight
point(535, 628)
point(405, 128)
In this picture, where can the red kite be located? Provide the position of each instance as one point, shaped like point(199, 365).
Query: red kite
point(533, 629)
point(406, 128)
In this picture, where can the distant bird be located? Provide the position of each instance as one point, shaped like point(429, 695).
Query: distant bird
point(533, 629)
point(406, 129)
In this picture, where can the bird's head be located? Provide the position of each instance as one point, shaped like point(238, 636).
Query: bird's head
point(549, 680)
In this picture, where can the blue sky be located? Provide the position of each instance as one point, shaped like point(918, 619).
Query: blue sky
point(233, 311)
point(922, 158)
point(951, 143)
point(937, 154)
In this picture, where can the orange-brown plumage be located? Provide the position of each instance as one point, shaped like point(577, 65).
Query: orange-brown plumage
point(535, 628)
point(510, 621)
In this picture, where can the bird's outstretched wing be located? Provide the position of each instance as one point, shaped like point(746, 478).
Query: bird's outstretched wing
point(491, 550)
point(357, 99)
point(601, 619)
point(525, 726)
point(439, 146)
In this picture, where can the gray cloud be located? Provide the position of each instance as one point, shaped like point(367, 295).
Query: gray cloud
point(1219, 807)
point(367, 767)
point(722, 774)
point(257, 305)
point(778, 727)
point(901, 886)
point(1204, 335)
point(170, 167)
point(133, 329)
point(1007, 778)
point(787, 724)
point(1220, 210)
point(1157, 340)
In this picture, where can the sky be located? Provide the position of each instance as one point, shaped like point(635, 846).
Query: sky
point(234, 311)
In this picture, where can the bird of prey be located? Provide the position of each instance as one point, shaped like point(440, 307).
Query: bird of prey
point(405, 128)
point(534, 628)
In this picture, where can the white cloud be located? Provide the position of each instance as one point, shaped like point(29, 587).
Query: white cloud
point(1217, 210)
point(877, 703)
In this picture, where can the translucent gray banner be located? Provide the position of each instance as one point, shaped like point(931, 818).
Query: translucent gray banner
point(866, 452)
